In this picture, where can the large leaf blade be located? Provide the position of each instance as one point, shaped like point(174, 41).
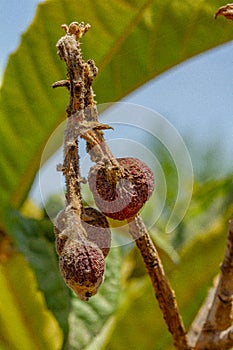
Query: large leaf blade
point(131, 43)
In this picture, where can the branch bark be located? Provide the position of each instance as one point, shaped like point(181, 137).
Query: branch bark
point(163, 291)
point(217, 340)
point(216, 315)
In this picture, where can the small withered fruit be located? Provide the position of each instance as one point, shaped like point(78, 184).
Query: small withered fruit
point(82, 267)
point(97, 228)
point(81, 261)
point(122, 198)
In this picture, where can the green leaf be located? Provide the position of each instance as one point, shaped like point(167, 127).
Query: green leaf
point(25, 322)
point(131, 42)
point(28, 235)
point(91, 322)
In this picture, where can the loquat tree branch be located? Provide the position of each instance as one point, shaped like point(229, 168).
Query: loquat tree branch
point(81, 254)
point(90, 129)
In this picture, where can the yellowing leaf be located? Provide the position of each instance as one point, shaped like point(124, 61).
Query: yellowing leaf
point(25, 322)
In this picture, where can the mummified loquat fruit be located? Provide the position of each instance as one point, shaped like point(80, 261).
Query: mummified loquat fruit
point(122, 198)
point(81, 261)
point(82, 267)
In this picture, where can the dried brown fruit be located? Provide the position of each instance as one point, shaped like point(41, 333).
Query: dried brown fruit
point(121, 199)
point(82, 267)
point(97, 228)
point(81, 261)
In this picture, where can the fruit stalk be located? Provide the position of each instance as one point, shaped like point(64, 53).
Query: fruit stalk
point(163, 291)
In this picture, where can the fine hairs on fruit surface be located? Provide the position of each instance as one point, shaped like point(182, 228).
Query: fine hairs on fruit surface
point(81, 260)
point(122, 198)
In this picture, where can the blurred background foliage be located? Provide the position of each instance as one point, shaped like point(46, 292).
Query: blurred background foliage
point(131, 42)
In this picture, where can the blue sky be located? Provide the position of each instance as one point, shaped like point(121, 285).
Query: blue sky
point(15, 16)
point(196, 96)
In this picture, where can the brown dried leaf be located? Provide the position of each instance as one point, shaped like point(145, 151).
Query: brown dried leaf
point(226, 11)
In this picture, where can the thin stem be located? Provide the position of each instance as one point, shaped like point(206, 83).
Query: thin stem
point(163, 291)
point(70, 52)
